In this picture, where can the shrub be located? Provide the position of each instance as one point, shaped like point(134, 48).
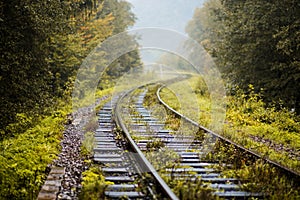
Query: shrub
point(94, 184)
point(25, 157)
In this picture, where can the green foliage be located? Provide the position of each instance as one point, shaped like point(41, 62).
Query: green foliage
point(253, 42)
point(107, 94)
point(171, 97)
point(266, 179)
point(163, 158)
point(23, 122)
point(259, 176)
point(87, 145)
point(189, 190)
point(42, 45)
point(25, 157)
point(184, 189)
point(249, 117)
point(121, 11)
point(25, 27)
point(190, 105)
point(123, 18)
point(94, 184)
point(151, 102)
point(253, 116)
point(155, 145)
point(250, 122)
point(150, 97)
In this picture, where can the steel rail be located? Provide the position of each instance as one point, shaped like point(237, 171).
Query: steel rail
point(143, 160)
point(290, 172)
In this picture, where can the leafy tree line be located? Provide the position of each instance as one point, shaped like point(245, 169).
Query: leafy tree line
point(254, 42)
point(42, 45)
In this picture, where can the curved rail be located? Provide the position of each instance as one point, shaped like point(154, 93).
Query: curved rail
point(143, 160)
point(290, 172)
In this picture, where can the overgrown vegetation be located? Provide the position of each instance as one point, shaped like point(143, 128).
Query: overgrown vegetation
point(24, 157)
point(165, 158)
point(42, 46)
point(190, 190)
point(105, 96)
point(49, 50)
point(259, 176)
point(94, 184)
point(155, 145)
point(87, 145)
point(254, 124)
point(194, 107)
point(253, 42)
point(185, 189)
point(249, 117)
point(151, 102)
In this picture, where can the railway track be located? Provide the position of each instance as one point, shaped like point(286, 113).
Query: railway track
point(187, 154)
point(123, 165)
point(149, 149)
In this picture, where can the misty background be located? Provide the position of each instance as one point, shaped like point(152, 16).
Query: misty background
point(167, 14)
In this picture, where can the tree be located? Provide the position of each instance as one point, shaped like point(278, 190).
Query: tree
point(254, 42)
point(42, 45)
point(25, 27)
point(124, 18)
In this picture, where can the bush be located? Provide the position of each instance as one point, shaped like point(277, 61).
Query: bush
point(25, 157)
point(94, 184)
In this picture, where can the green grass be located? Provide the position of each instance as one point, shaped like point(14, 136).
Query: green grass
point(101, 94)
point(24, 157)
point(34, 145)
point(244, 115)
point(94, 184)
point(184, 96)
point(87, 145)
point(247, 118)
point(93, 180)
point(258, 176)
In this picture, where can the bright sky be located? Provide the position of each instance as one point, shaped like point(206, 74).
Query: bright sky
point(171, 14)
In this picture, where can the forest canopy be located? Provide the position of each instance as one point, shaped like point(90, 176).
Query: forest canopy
point(254, 43)
point(42, 45)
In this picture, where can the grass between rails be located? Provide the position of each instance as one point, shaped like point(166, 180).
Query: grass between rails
point(256, 175)
point(88, 142)
point(151, 102)
point(162, 158)
point(271, 132)
point(263, 177)
point(185, 190)
point(248, 118)
point(94, 184)
point(93, 180)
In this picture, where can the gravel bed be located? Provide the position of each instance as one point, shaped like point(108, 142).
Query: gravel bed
point(70, 156)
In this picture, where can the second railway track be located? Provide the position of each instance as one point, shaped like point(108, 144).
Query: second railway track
point(173, 157)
